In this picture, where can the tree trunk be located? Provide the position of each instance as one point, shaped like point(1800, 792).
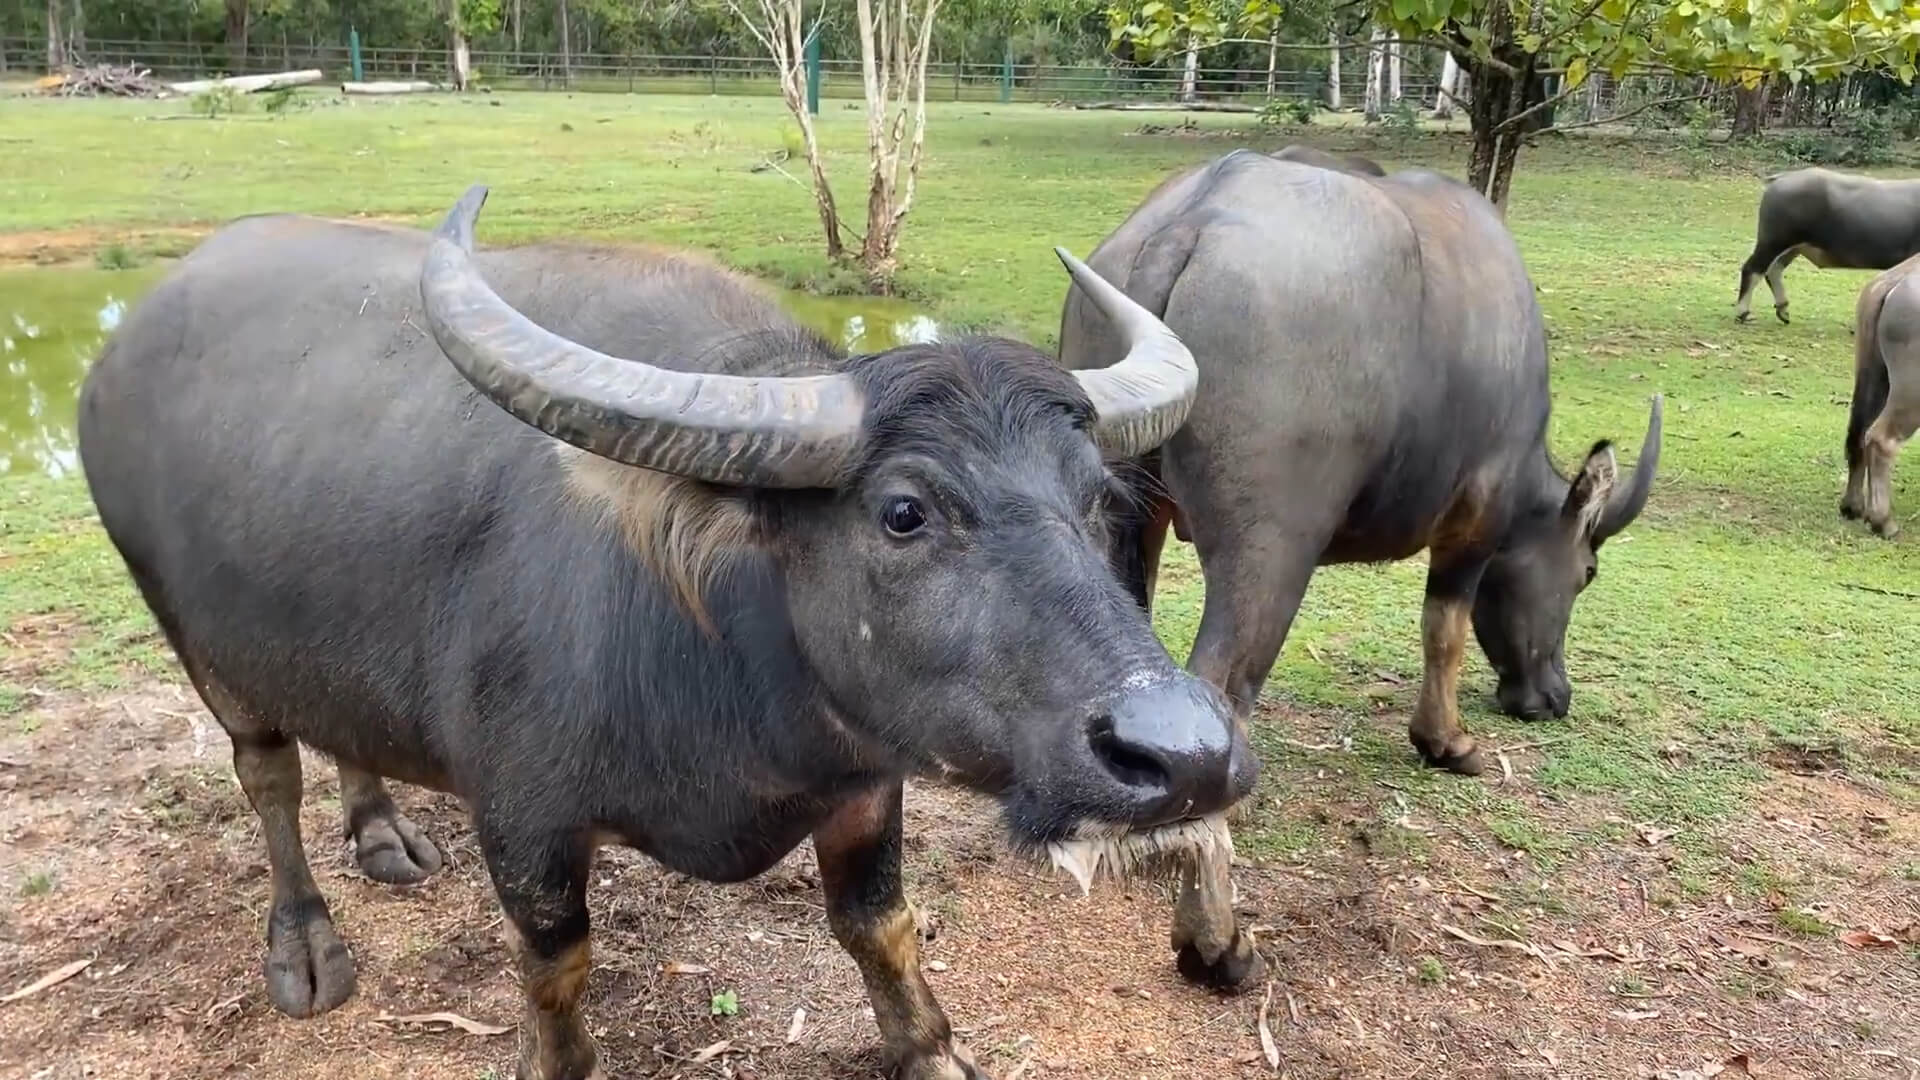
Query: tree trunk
point(1749, 110)
point(237, 37)
point(1393, 70)
point(1376, 72)
point(516, 30)
point(1273, 59)
point(56, 41)
point(1190, 72)
point(1333, 70)
point(77, 33)
point(1443, 98)
point(1596, 94)
point(566, 48)
point(462, 65)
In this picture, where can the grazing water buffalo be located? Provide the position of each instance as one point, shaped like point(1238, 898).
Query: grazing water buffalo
point(1837, 220)
point(621, 554)
point(1374, 383)
point(1886, 392)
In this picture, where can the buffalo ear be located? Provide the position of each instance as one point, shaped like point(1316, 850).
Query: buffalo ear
point(1591, 488)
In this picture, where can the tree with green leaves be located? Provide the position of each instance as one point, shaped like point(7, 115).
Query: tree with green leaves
point(1520, 58)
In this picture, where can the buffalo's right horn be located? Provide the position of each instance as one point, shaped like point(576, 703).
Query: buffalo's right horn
point(727, 429)
point(1142, 400)
point(1628, 501)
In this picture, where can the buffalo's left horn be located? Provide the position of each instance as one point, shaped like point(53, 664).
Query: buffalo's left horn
point(1628, 501)
point(1142, 400)
point(726, 429)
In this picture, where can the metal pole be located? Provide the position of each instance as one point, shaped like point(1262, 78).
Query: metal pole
point(1006, 75)
point(813, 71)
point(353, 51)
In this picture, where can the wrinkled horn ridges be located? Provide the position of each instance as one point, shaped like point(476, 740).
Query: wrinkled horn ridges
point(725, 429)
point(1142, 400)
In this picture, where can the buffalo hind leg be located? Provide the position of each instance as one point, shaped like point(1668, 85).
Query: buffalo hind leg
point(542, 885)
point(1445, 621)
point(1882, 443)
point(859, 852)
point(308, 968)
point(389, 848)
point(1777, 284)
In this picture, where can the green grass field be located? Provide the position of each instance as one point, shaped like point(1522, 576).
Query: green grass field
point(1740, 620)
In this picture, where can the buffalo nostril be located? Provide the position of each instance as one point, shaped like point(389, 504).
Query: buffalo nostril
point(1130, 763)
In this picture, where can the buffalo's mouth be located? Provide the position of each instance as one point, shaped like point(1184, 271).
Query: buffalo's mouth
point(1097, 850)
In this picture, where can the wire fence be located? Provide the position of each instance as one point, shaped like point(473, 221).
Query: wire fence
point(1298, 75)
point(952, 80)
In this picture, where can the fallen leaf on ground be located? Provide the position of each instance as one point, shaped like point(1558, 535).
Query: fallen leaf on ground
point(1636, 1014)
point(1267, 1045)
point(714, 1051)
point(52, 978)
point(1868, 939)
point(471, 1027)
point(678, 968)
point(799, 1024)
point(1653, 834)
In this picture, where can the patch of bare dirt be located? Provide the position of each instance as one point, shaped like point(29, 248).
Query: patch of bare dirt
point(124, 840)
point(78, 244)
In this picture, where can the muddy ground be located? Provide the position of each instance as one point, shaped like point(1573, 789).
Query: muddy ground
point(125, 841)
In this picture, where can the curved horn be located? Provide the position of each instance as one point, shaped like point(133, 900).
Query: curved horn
point(1142, 400)
point(725, 429)
point(1627, 501)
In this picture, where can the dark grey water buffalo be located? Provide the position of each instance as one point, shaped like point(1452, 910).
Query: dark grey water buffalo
point(1374, 383)
point(1886, 392)
point(621, 554)
point(1307, 155)
point(1837, 220)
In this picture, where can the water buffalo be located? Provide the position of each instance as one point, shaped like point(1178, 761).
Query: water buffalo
point(1837, 220)
point(1374, 383)
point(1886, 392)
point(620, 554)
point(1307, 155)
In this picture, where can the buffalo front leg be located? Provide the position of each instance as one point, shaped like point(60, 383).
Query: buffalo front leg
point(1209, 945)
point(542, 885)
point(859, 852)
point(389, 848)
point(1445, 621)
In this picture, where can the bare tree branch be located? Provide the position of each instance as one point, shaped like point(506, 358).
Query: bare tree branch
point(1635, 111)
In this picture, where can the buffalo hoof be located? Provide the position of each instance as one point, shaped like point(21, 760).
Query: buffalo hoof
point(1781, 314)
point(952, 1065)
point(309, 970)
point(1460, 755)
point(1888, 528)
point(393, 851)
point(1849, 511)
point(1743, 316)
point(1239, 967)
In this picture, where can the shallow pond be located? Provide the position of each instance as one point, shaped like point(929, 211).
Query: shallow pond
point(53, 323)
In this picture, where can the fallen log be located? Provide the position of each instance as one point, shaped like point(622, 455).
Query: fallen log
point(1171, 106)
point(389, 87)
point(248, 84)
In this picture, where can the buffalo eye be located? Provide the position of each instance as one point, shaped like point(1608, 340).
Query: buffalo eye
point(903, 516)
point(1591, 571)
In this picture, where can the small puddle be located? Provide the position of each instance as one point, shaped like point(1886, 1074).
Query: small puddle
point(53, 324)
